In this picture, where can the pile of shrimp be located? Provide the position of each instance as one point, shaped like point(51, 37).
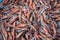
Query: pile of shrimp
point(30, 19)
